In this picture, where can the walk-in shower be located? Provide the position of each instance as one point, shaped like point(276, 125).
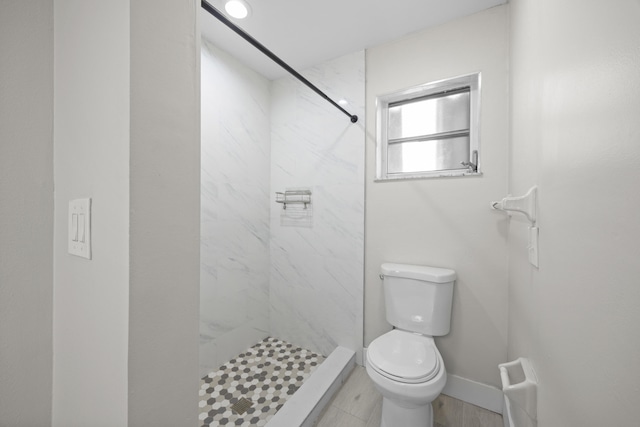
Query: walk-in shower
point(292, 278)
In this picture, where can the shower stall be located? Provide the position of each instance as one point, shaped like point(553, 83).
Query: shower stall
point(271, 276)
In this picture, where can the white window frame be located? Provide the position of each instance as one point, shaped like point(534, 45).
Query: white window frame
point(472, 81)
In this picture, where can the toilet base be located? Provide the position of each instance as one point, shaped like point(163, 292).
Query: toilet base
point(394, 415)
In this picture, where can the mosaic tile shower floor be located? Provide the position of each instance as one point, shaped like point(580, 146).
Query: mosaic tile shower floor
point(266, 374)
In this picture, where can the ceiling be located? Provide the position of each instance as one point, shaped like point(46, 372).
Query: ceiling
point(304, 33)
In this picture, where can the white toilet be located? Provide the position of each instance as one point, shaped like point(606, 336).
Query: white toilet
point(405, 364)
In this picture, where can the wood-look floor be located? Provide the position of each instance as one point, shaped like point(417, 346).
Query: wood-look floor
point(359, 404)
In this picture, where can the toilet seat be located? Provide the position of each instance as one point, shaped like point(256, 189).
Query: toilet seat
point(405, 357)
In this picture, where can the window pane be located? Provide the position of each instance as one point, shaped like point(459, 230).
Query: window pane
point(427, 156)
point(428, 116)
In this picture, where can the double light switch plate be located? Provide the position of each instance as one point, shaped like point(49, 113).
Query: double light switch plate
point(80, 228)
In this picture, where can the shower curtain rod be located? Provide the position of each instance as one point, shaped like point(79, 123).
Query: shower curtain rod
point(218, 15)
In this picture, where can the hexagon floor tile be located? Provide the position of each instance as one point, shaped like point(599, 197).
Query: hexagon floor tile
point(267, 374)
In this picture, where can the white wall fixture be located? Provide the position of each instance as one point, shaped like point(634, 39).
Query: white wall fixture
point(519, 384)
point(80, 228)
point(533, 246)
point(524, 204)
point(527, 205)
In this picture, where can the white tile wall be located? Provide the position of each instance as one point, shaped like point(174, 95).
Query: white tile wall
point(234, 273)
point(302, 284)
point(317, 272)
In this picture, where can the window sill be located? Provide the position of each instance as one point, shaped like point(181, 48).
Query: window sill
point(407, 176)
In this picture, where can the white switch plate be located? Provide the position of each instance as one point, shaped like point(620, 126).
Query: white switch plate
point(533, 246)
point(80, 228)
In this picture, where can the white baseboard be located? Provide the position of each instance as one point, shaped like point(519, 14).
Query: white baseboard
point(479, 394)
point(482, 395)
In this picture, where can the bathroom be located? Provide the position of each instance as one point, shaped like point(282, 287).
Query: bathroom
point(314, 298)
point(108, 95)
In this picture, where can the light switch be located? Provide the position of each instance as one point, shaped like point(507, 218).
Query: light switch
point(80, 228)
point(74, 227)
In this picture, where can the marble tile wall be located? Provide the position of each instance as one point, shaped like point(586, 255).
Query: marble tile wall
point(316, 289)
point(262, 273)
point(235, 213)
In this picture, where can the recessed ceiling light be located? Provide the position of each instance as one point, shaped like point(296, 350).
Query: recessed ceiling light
point(238, 9)
point(343, 102)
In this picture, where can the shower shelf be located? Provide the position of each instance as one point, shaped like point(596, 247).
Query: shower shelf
point(294, 196)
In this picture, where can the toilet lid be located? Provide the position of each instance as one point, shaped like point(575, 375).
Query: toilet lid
point(404, 357)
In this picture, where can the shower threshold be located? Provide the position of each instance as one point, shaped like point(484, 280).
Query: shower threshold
point(252, 388)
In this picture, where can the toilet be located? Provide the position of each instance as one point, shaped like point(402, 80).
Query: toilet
point(405, 364)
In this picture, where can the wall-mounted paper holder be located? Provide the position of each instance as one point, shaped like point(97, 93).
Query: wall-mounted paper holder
point(294, 196)
point(519, 384)
point(524, 204)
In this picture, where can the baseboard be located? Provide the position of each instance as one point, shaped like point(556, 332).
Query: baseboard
point(479, 394)
point(482, 395)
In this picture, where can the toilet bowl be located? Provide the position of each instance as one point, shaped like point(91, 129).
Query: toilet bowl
point(407, 369)
point(405, 364)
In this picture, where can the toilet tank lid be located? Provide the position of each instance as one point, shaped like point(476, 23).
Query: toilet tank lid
point(418, 272)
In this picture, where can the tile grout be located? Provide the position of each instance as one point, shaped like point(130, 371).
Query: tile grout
point(265, 374)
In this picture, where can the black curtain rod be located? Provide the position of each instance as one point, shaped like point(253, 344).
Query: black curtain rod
point(217, 14)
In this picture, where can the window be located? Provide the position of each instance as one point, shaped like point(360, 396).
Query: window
point(429, 130)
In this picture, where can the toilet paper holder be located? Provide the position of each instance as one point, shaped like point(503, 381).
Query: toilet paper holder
point(519, 384)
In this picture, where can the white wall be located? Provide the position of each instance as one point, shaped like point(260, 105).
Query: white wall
point(26, 212)
point(575, 132)
point(316, 268)
point(165, 213)
point(447, 222)
point(91, 157)
point(234, 221)
point(127, 135)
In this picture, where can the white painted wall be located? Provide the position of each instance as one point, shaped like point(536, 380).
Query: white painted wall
point(127, 135)
point(316, 288)
point(447, 222)
point(91, 157)
point(575, 132)
point(26, 212)
point(234, 221)
point(165, 213)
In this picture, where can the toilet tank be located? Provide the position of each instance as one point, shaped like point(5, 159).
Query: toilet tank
point(418, 298)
